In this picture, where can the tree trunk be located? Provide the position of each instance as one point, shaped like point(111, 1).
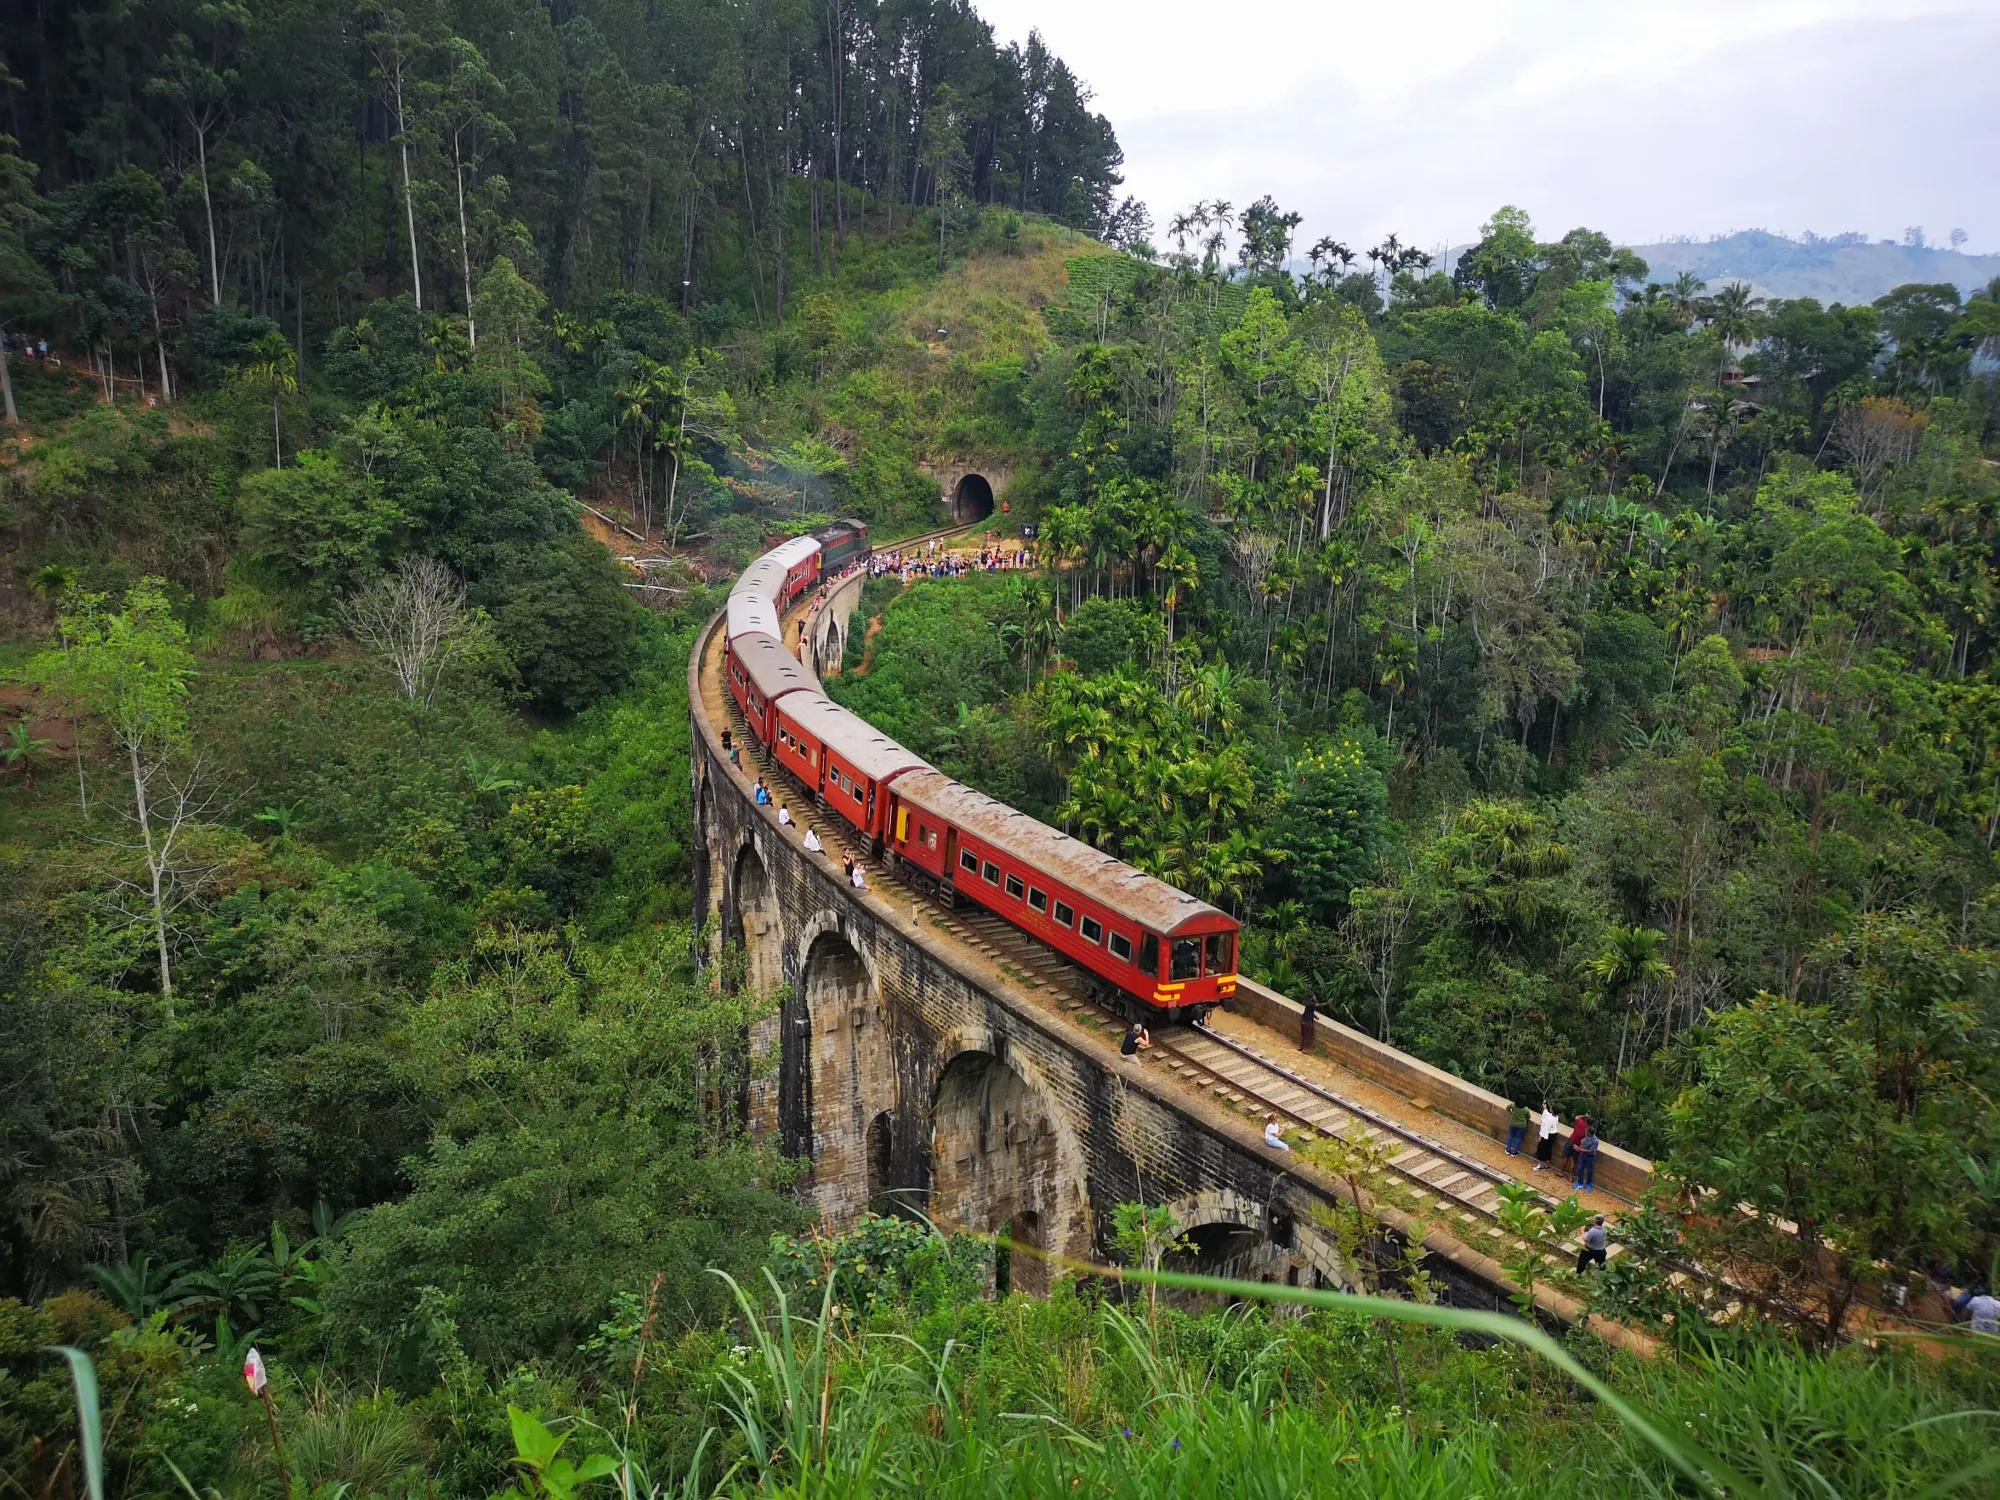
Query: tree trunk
point(155, 873)
point(208, 212)
point(7, 385)
point(409, 199)
point(464, 244)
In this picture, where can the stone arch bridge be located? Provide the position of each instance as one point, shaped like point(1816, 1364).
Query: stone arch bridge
point(911, 1069)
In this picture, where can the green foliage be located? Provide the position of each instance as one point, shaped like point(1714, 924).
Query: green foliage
point(1331, 824)
point(318, 526)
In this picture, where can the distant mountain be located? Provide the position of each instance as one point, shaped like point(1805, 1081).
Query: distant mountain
point(1843, 268)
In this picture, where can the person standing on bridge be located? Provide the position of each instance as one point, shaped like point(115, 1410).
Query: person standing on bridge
point(1573, 1147)
point(1546, 1146)
point(1586, 1159)
point(1308, 1022)
point(1517, 1128)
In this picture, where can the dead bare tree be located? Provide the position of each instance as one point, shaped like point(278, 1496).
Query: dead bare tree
point(172, 798)
point(1875, 434)
point(417, 620)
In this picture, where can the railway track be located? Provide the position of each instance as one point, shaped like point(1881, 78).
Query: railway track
point(1428, 1177)
point(1424, 1175)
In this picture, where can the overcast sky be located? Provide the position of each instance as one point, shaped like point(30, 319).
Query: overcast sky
point(1643, 118)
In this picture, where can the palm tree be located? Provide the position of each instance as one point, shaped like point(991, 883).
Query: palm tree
point(1733, 315)
point(273, 370)
point(1684, 296)
point(1178, 567)
point(1629, 959)
point(23, 749)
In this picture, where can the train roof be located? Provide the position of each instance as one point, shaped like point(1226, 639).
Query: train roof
point(1110, 882)
point(848, 735)
point(772, 669)
point(753, 614)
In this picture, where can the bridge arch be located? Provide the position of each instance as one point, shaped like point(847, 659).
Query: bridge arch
point(972, 499)
point(750, 917)
point(1232, 1235)
point(838, 1085)
point(827, 654)
point(1004, 1165)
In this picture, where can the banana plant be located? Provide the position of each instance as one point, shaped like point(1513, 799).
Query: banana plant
point(547, 1475)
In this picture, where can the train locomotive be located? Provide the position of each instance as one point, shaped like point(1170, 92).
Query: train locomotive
point(1145, 948)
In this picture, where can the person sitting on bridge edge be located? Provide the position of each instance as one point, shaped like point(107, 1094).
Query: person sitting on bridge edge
point(1595, 1239)
point(760, 794)
point(856, 877)
point(1517, 1128)
point(813, 845)
point(1137, 1040)
point(784, 816)
point(1586, 1159)
point(1274, 1135)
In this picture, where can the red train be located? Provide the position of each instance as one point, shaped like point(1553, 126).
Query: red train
point(1150, 949)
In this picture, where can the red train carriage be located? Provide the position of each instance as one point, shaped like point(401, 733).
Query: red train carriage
point(761, 671)
point(842, 757)
point(751, 613)
point(782, 574)
point(1157, 950)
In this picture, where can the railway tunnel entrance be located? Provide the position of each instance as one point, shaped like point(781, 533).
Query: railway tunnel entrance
point(972, 500)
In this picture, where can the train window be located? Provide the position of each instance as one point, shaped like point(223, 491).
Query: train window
point(1121, 946)
point(1014, 886)
point(1149, 955)
point(1092, 930)
point(1063, 914)
point(854, 787)
point(991, 872)
point(1187, 959)
point(1219, 954)
point(1039, 900)
point(967, 860)
point(930, 837)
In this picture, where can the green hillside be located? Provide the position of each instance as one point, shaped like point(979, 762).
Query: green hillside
point(1585, 681)
point(1845, 268)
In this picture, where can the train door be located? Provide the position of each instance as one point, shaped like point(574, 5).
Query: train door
point(949, 879)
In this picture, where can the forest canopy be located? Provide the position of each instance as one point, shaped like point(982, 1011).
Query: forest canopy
point(1582, 679)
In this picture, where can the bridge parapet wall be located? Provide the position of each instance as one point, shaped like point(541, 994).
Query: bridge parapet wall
point(909, 1075)
point(1622, 1172)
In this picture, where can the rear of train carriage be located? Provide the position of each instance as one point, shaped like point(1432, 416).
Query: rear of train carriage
point(842, 758)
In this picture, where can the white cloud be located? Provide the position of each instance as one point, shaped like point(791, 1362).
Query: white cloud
point(1638, 118)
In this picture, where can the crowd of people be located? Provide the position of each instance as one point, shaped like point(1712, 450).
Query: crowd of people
point(936, 561)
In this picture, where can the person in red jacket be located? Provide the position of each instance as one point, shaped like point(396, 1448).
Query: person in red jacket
point(1575, 1143)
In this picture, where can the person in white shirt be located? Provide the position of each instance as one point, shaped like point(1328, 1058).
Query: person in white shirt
point(1274, 1137)
point(813, 845)
point(784, 815)
point(1545, 1147)
point(860, 880)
